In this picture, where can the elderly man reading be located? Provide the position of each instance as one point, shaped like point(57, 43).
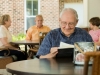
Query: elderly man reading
point(67, 33)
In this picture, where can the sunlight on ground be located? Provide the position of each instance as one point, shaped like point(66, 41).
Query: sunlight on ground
point(23, 47)
point(4, 72)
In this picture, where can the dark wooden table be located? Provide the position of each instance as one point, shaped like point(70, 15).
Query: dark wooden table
point(26, 43)
point(45, 67)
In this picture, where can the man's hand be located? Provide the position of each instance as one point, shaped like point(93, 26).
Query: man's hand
point(52, 54)
point(54, 50)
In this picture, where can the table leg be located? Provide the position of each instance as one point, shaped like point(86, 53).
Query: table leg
point(26, 48)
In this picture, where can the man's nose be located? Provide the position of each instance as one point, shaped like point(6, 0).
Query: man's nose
point(40, 21)
point(67, 26)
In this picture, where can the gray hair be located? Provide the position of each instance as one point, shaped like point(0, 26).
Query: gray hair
point(70, 10)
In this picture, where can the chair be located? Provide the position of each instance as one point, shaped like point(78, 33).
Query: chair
point(42, 35)
point(96, 62)
point(87, 29)
point(32, 51)
point(4, 61)
point(34, 48)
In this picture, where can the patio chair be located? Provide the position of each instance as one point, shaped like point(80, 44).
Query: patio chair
point(4, 61)
point(34, 48)
point(42, 35)
point(96, 62)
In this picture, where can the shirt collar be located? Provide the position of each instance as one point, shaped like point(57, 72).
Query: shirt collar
point(38, 27)
point(65, 35)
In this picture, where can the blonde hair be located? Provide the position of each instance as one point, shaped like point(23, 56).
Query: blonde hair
point(4, 18)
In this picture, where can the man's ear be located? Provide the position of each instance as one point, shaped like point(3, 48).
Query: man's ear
point(76, 21)
point(59, 22)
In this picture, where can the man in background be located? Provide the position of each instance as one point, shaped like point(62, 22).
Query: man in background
point(34, 31)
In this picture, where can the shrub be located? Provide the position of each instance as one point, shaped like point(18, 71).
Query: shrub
point(20, 36)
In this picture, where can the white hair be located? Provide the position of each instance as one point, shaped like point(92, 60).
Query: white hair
point(69, 10)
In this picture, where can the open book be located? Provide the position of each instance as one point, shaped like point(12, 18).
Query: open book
point(65, 50)
point(65, 45)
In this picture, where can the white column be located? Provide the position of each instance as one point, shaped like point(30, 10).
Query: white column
point(85, 11)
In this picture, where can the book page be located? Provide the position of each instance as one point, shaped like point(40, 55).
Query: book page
point(65, 45)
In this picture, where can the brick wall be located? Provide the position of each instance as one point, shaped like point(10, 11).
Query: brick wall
point(6, 7)
point(18, 16)
point(50, 11)
point(15, 8)
point(48, 8)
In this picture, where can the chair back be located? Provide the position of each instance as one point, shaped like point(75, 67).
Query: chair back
point(80, 48)
point(34, 48)
point(95, 56)
point(87, 29)
point(4, 61)
point(42, 35)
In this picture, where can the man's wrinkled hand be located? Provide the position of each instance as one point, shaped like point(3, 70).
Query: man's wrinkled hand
point(52, 54)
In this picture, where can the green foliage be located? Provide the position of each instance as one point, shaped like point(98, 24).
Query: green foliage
point(20, 36)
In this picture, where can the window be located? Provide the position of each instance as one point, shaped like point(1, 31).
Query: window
point(32, 9)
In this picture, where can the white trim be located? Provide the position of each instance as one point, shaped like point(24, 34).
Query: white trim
point(25, 15)
point(31, 16)
point(85, 11)
point(25, 27)
point(39, 6)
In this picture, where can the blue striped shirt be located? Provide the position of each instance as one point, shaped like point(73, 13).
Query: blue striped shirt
point(54, 37)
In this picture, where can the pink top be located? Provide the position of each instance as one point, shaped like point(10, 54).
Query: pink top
point(95, 35)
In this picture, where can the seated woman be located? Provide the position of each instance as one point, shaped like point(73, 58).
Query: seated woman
point(95, 31)
point(95, 34)
point(5, 38)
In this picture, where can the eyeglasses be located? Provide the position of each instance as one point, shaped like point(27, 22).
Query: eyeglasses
point(71, 24)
